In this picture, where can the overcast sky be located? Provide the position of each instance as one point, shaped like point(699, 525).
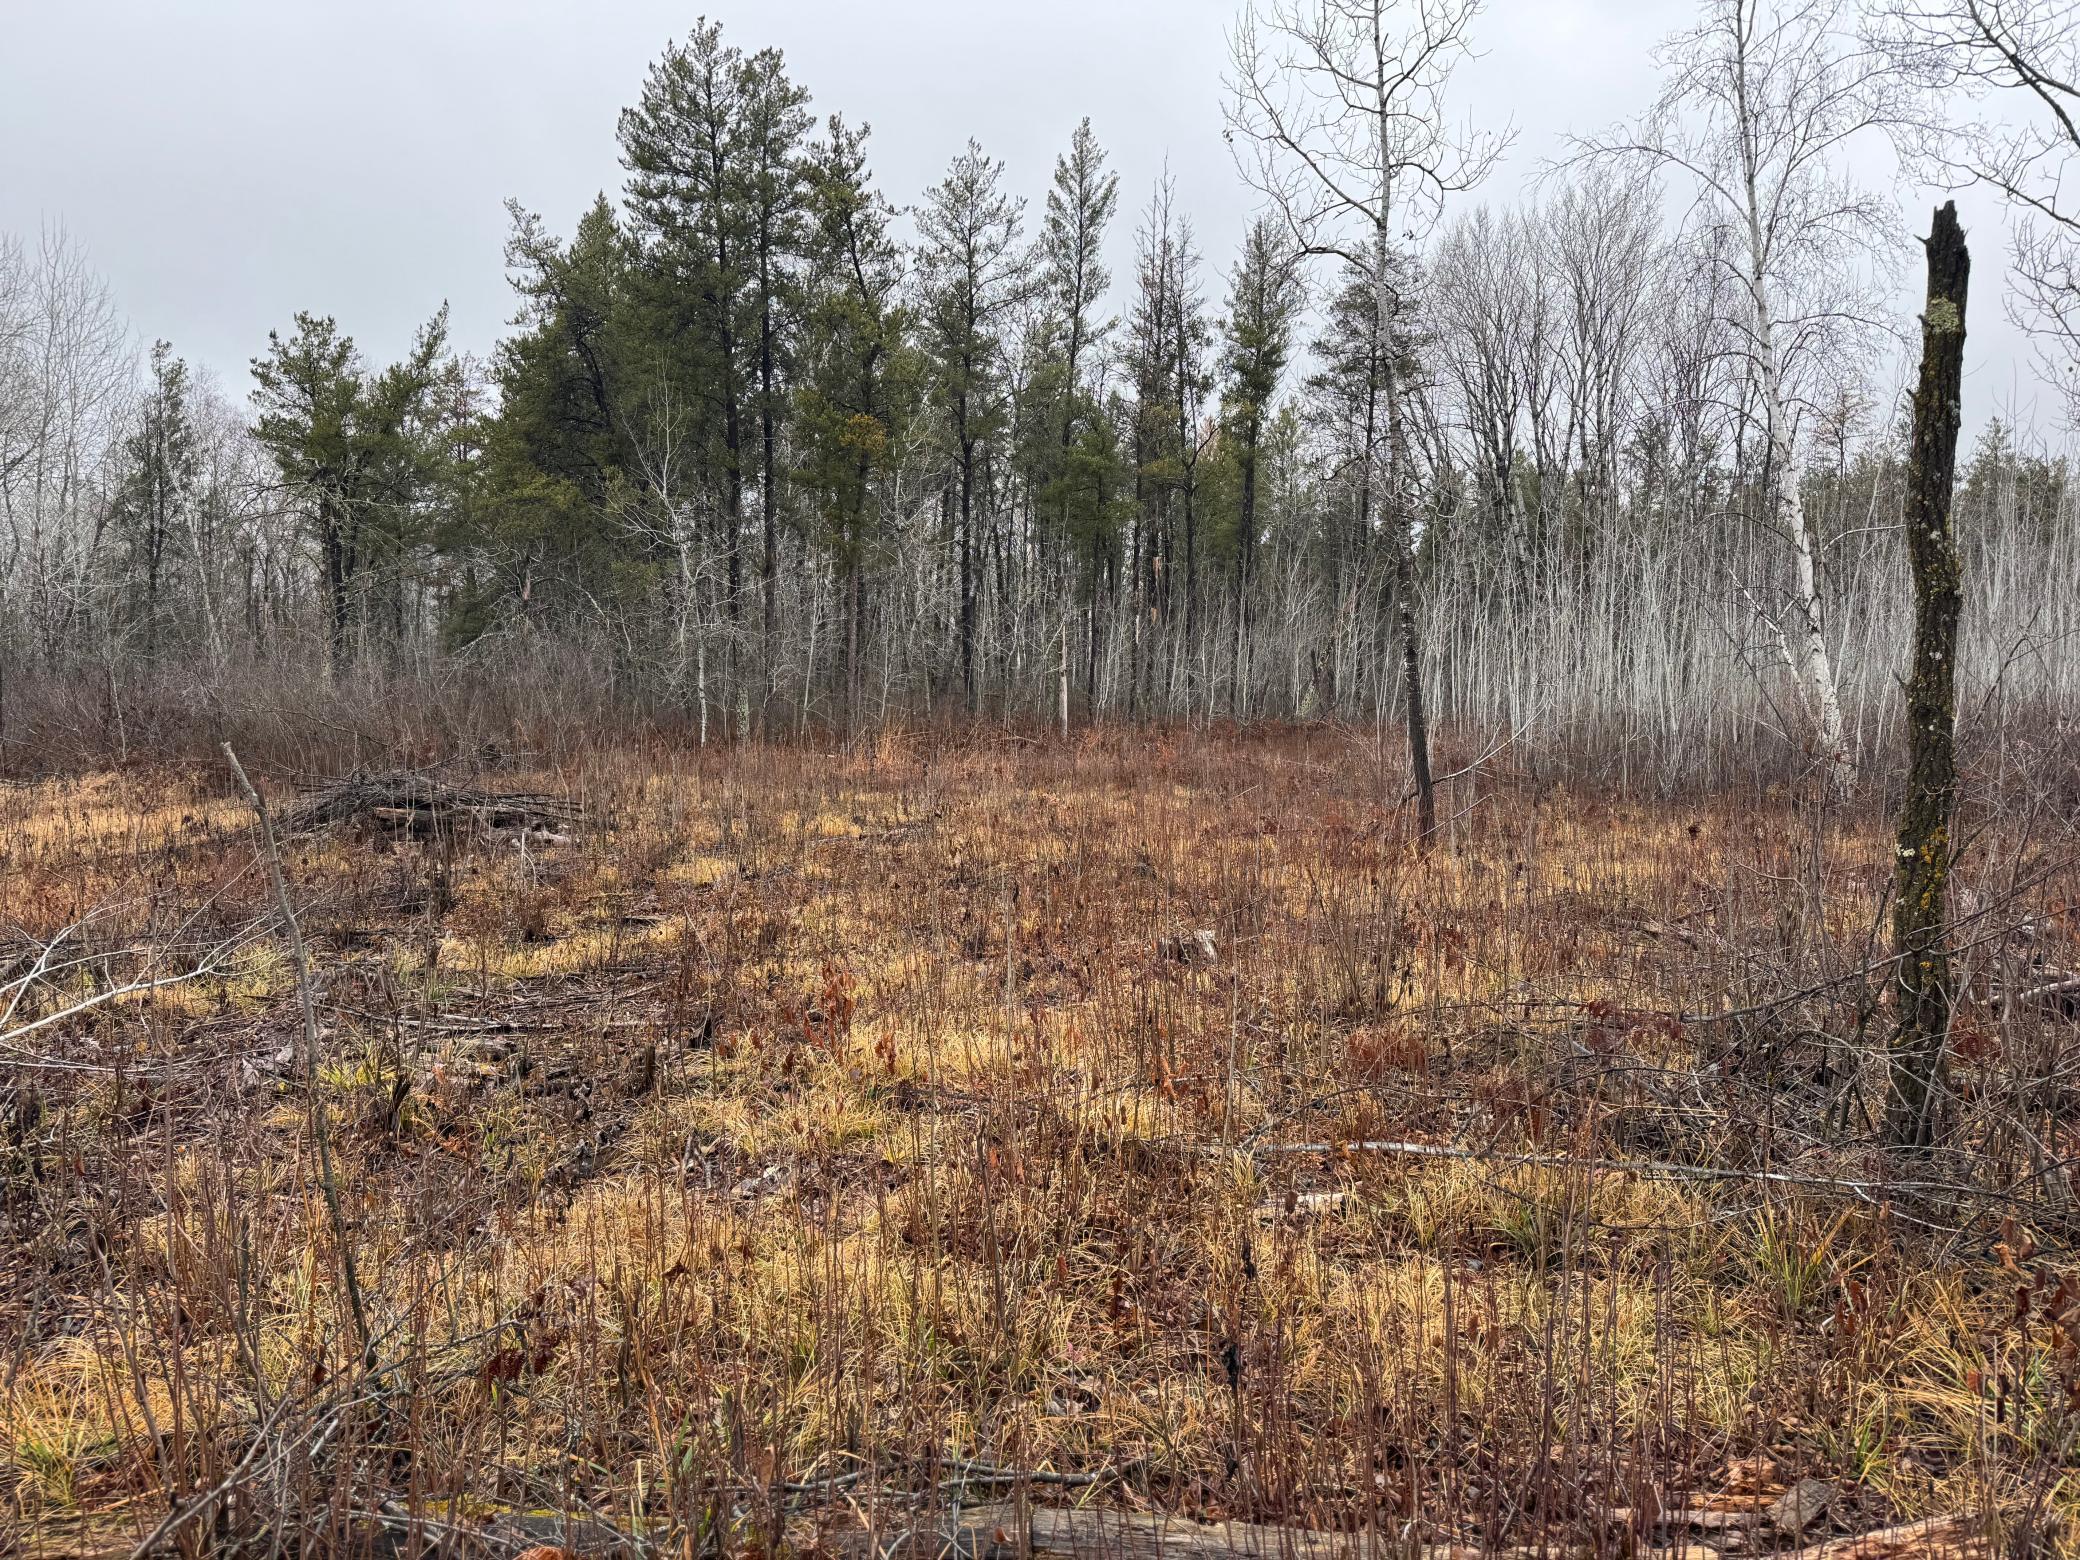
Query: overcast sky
point(228, 162)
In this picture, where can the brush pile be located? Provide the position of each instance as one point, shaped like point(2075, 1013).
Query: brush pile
point(411, 801)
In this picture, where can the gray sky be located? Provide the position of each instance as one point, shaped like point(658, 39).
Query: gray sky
point(227, 162)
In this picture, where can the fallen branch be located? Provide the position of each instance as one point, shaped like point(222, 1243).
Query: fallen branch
point(1646, 1169)
point(2061, 995)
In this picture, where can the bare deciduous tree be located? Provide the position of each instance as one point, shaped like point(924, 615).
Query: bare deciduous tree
point(1339, 106)
point(1761, 101)
point(2004, 54)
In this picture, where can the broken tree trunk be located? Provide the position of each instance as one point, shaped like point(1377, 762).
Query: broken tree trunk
point(1920, 908)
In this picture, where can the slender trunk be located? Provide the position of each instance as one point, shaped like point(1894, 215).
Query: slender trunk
point(334, 548)
point(700, 685)
point(1139, 592)
point(967, 630)
point(151, 606)
point(1401, 529)
point(1245, 554)
point(1919, 906)
point(1063, 688)
point(1787, 507)
point(733, 519)
point(1090, 674)
point(852, 614)
point(768, 464)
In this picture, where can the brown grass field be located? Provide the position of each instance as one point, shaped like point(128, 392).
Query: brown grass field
point(812, 1145)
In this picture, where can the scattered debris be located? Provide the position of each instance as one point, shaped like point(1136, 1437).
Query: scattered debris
point(774, 1178)
point(1804, 1505)
point(1194, 947)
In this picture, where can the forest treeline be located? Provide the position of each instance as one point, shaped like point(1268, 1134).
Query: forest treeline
point(769, 448)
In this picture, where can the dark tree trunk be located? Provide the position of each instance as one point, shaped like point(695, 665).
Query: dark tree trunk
point(1245, 557)
point(1405, 592)
point(1919, 910)
point(335, 551)
point(1090, 672)
point(1140, 591)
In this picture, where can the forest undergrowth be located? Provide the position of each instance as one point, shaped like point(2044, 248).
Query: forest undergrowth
point(790, 1145)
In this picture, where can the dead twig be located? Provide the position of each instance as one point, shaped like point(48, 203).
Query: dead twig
point(321, 1118)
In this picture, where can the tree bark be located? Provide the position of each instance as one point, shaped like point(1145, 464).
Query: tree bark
point(1919, 910)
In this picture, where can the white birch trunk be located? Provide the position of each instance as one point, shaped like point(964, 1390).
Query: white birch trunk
point(1787, 507)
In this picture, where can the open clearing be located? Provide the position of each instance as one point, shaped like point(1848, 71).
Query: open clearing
point(803, 1142)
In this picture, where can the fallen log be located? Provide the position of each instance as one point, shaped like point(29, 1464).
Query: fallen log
point(1005, 1531)
point(2059, 995)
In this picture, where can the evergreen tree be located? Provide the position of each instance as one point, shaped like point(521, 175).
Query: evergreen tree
point(1357, 365)
point(1080, 204)
point(353, 451)
point(972, 272)
point(1169, 336)
point(683, 147)
point(1264, 302)
point(160, 469)
point(717, 191)
point(852, 367)
point(542, 535)
point(776, 123)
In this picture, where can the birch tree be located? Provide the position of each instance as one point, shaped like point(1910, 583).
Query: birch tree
point(1761, 101)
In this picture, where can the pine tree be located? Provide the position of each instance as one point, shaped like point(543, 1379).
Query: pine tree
point(354, 451)
point(853, 368)
point(1264, 302)
point(161, 464)
point(1358, 365)
point(776, 124)
point(972, 271)
point(683, 145)
point(542, 536)
point(1080, 204)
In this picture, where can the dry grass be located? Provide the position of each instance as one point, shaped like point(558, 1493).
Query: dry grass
point(818, 1126)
